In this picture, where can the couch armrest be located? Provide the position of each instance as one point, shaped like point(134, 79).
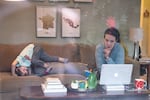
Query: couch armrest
point(136, 67)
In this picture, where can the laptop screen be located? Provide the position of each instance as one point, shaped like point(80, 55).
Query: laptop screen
point(116, 74)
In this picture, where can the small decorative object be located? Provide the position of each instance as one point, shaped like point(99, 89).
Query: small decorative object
point(37, 0)
point(110, 22)
point(82, 85)
point(58, 0)
point(74, 84)
point(92, 81)
point(83, 0)
point(70, 22)
point(46, 21)
point(146, 13)
point(140, 84)
point(87, 73)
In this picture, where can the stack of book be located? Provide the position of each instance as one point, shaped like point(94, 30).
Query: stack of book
point(53, 85)
point(114, 87)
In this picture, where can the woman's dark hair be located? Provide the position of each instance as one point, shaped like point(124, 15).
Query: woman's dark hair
point(114, 32)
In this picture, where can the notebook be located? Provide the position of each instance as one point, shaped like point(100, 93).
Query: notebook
point(116, 74)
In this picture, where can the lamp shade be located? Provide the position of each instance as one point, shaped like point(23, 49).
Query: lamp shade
point(136, 34)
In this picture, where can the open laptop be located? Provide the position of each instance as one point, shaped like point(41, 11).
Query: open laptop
point(116, 74)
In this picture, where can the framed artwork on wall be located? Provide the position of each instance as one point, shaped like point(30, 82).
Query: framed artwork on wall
point(46, 21)
point(70, 22)
point(58, 0)
point(37, 0)
point(83, 0)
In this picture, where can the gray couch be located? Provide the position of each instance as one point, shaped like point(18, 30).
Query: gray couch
point(80, 54)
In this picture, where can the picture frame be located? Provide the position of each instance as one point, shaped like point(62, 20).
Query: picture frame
point(46, 21)
point(83, 1)
point(70, 22)
point(37, 0)
point(58, 0)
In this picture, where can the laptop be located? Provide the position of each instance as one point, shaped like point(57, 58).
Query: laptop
point(116, 74)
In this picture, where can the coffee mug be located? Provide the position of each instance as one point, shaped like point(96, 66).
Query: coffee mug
point(82, 85)
point(140, 84)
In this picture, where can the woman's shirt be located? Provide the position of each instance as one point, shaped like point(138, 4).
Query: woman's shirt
point(116, 55)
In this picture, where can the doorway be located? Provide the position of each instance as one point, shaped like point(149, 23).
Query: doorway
point(145, 24)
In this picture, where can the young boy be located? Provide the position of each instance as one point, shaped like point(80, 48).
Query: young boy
point(33, 55)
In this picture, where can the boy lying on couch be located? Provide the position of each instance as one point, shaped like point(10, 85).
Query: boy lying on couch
point(33, 55)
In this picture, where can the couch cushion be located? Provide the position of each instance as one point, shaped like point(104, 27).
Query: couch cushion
point(63, 68)
point(70, 51)
point(87, 54)
point(75, 68)
point(7, 54)
point(9, 82)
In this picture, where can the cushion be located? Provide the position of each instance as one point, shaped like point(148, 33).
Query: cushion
point(63, 68)
point(8, 53)
point(69, 51)
point(87, 54)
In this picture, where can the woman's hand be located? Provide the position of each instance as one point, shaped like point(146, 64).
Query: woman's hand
point(107, 52)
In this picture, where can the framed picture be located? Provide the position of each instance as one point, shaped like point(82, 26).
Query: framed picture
point(58, 0)
point(70, 22)
point(83, 0)
point(37, 0)
point(46, 21)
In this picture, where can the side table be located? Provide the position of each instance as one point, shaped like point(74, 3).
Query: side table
point(146, 64)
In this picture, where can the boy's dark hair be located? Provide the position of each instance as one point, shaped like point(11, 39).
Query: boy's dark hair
point(114, 32)
point(19, 73)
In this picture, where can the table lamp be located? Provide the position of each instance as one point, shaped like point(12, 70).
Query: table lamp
point(136, 35)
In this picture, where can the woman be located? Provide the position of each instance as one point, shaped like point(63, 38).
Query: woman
point(110, 52)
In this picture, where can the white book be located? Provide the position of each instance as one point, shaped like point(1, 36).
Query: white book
point(51, 86)
point(52, 83)
point(56, 94)
point(114, 87)
point(54, 90)
point(52, 80)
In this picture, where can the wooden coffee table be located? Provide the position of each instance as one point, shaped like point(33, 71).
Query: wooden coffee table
point(35, 93)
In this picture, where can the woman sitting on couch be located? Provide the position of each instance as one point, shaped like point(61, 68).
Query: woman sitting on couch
point(35, 56)
point(110, 51)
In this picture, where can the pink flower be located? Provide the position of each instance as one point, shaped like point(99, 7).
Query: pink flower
point(110, 22)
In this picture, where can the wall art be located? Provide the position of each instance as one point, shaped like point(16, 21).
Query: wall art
point(70, 22)
point(46, 21)
point(58, 0)
point(83, 0)
point(37, 0)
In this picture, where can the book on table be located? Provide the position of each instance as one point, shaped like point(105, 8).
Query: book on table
point(53, 85)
